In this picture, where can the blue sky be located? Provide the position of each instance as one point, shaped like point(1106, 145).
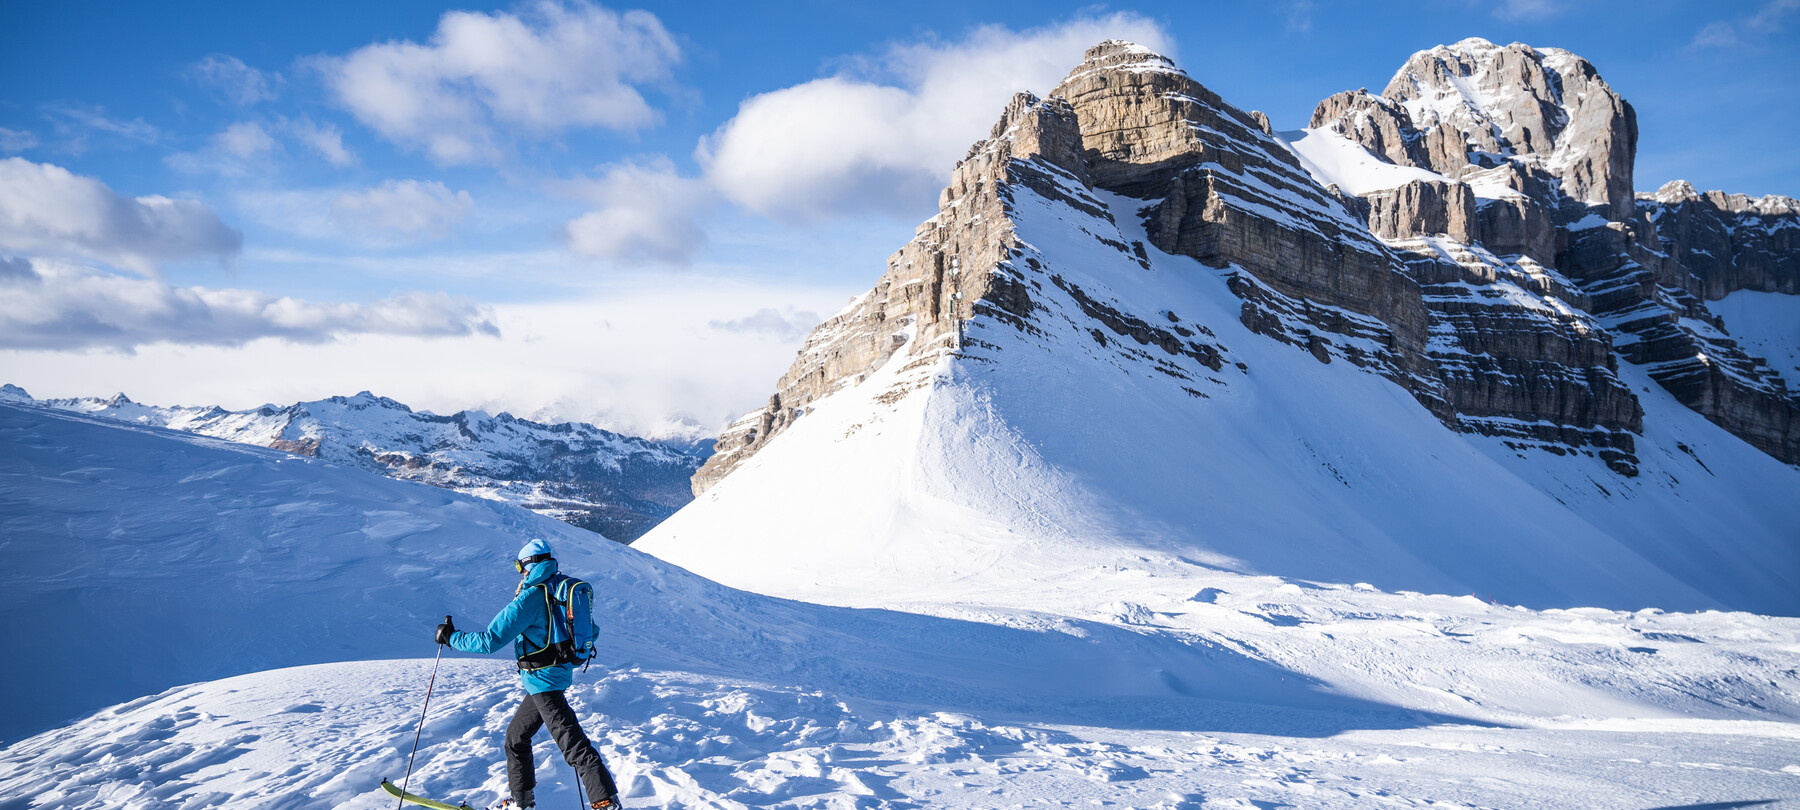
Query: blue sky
point(632, 215)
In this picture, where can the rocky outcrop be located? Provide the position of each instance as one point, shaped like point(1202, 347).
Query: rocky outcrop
point(1225, 192)
point(1546, 108)
point(1547, 148)
point(1728, 242)
point(1520, 356)
point(1643, 296)
point(1380, 125)
point(1421, 208)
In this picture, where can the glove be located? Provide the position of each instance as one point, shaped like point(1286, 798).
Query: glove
point(444, 631)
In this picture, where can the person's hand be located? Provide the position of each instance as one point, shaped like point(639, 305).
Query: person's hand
point(444, 630)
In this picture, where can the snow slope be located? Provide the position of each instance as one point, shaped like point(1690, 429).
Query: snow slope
point(1766, 325)
point(193, 558)
point(1332, 159)
point(1010, 474)
point(319, 737)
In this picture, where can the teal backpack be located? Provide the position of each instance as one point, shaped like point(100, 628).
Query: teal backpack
point(569, 606)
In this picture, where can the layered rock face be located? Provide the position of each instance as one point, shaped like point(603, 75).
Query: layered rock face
point(1225, 192)
point(1728, 242)
point(1546, 149)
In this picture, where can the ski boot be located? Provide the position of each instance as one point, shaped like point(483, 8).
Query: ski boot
point(608, 803)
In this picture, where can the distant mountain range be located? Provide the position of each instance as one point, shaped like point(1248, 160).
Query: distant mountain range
point(605, 482)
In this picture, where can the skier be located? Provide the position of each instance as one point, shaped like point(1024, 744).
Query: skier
point(521, 621)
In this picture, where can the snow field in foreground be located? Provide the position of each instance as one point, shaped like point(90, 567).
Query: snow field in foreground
point(1140, 681)
point(325, 736)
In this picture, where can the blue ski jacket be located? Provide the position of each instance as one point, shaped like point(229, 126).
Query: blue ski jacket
point(525, 622)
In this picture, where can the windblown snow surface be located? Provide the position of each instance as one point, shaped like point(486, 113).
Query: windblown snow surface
point(1038, 575)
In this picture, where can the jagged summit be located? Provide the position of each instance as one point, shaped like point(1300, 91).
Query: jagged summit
point(1118, 55)
point(1526, 153)
point(1678, 191)
point(1139, 332)
point(1543, 114)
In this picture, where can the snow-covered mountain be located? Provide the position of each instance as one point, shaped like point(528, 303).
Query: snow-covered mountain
point(1154, 472)
point(618, 486)
point(1141, 332)
point(163, 557)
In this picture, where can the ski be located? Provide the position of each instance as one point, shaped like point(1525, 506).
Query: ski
point(394, 789)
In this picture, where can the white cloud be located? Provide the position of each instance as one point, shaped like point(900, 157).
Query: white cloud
point(75, 124)
point(1769, 20)
point(787, 326)
point(235, 150)
point(552, 67)
point(16, 140)
point(403, 210)
point(57, 305)
point(244, 140)
point(1528, 9)
point(1719, 34)
point(48, 210)
point(322, 138)
point(636, 356)
point(647, 213)
point(844, 143)
point(1299, 14)
point(1772, 17)
point(233, 80)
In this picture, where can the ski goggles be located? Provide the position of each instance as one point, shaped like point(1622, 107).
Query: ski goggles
point(521, 565)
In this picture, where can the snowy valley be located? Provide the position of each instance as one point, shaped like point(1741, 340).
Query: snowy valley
point(1176, 462)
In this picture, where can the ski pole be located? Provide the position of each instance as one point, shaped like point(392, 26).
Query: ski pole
point(415, 749)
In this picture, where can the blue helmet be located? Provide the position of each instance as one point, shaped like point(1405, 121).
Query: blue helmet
point(537, 546)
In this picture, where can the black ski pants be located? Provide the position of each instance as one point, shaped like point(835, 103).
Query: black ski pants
point(551, 709)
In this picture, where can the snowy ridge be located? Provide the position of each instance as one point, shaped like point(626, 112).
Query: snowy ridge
point(602, 481)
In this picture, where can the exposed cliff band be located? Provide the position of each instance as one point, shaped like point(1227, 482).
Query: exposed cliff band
point(1535, 153)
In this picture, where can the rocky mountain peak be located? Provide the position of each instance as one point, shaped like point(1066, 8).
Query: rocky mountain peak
point(1546, 109)
point(1215, 185)
point(1545, 149)
point(1676, 191)
point(1119, 54)
point(1144, 121)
